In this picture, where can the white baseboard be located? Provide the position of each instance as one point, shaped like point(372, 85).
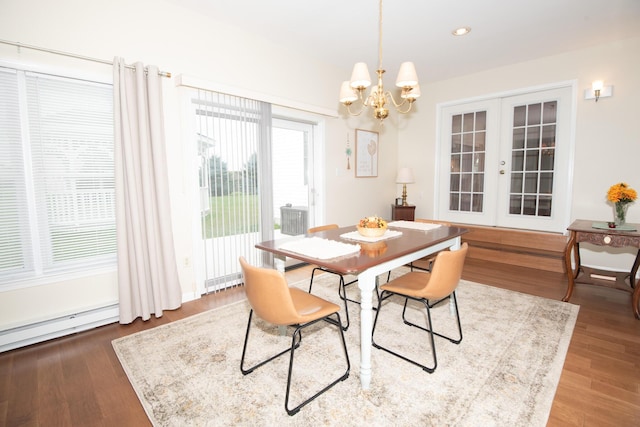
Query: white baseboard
point(42, 331)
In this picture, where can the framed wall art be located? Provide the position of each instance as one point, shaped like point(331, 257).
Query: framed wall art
point(366, 153)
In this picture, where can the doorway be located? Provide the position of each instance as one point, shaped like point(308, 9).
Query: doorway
point(508, 161)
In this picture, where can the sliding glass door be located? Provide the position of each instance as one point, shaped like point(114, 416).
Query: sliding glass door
point(231, 135)
point(255, 182)
point(292, 177)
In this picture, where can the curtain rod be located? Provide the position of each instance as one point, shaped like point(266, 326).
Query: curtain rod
point(73, 55)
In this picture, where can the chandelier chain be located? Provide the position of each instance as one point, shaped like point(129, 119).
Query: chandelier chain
point(380, 37)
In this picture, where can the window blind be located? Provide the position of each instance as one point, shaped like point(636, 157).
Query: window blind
point(59, 139)
point(15, 238)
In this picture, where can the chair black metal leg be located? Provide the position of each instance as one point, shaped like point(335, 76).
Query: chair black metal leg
point(244, 350)
point(343, 377)
point(346, 302)
point(431, 305)
point(296, 339)
point(429, 330)
point(341, 289)
point(313, 272)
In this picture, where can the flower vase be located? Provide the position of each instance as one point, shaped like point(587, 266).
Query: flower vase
point(620, 213)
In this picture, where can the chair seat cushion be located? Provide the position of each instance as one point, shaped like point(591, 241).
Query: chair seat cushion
point(311, 307)
point(411, 284)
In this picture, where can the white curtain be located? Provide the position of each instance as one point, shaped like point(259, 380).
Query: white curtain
point(147, 272)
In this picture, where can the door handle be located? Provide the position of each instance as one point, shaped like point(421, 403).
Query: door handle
point(501, 171)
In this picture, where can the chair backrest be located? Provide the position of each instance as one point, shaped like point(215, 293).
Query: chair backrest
point(268, 294)
point(446, 273)
point(433, 221)
point(322, 228)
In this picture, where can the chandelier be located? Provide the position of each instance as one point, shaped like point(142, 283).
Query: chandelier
point(353, 90)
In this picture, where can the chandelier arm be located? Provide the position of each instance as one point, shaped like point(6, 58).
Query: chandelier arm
point(409, 102)
point(364, 103)
point(351, 113)
point(393, 101)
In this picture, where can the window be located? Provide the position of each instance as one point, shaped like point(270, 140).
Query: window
point(57, 195)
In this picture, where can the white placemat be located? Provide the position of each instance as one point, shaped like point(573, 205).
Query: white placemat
point(354, 235)
point(317, 247)
point(424, 226)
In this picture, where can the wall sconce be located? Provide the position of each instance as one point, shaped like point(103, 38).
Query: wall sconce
point(598, 90)
point(404, 177)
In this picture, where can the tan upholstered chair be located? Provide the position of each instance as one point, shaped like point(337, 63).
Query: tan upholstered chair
point(342, 292)
point(428, 288)
point(426, 263)
point(275, 302)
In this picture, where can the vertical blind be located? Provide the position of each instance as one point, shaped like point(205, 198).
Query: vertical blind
point(58, 200)
point(232, 136)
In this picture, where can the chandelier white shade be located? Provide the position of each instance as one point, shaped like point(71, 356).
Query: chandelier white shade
point(353, 90)
point(360, 76)
point(407, 76)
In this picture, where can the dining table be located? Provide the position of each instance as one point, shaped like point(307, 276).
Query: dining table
point(345, 251)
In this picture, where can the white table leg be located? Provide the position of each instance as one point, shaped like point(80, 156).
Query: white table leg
point(366, 283)
point(279, 262)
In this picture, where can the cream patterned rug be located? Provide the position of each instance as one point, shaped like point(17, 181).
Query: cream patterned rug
point(503, 373)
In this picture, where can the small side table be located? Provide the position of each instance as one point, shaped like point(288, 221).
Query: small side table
point(583, 231)
point(406, 213)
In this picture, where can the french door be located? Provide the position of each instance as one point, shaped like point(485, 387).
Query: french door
point(507, 161)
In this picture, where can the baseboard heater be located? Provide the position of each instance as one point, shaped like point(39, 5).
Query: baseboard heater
point(54, 328)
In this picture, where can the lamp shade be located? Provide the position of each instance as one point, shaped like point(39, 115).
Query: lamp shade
point(407, 76)
point(405, 176)
point(360, 76)
point(347, 94)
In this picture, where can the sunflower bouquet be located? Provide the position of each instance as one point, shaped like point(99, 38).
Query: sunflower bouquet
point(621, 195)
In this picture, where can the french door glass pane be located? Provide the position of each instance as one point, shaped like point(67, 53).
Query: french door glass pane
point(468, 144)
point(534, 136)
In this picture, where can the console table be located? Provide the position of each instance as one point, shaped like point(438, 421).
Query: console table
point(584, 231)
point(400, 212)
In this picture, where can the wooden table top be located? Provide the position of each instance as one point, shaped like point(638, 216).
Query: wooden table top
point(586, 226)
point(371, 254)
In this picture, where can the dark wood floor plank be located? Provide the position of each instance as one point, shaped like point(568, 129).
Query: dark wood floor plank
point(52, 401)
point(23, 388)
point(81, 393)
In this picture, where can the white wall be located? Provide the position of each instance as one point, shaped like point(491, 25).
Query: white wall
point(607, 135)
point(182, 42)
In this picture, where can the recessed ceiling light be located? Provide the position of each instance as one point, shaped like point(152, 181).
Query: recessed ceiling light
point(461, 31)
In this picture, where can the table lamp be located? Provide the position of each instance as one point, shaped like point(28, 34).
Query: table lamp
point(405, 176)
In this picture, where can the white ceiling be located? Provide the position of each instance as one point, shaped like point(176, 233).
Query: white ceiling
point(343, 32)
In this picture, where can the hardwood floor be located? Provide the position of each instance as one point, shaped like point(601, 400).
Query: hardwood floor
point(78, 381)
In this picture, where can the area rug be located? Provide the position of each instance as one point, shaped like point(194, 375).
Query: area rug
point(503, 373)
